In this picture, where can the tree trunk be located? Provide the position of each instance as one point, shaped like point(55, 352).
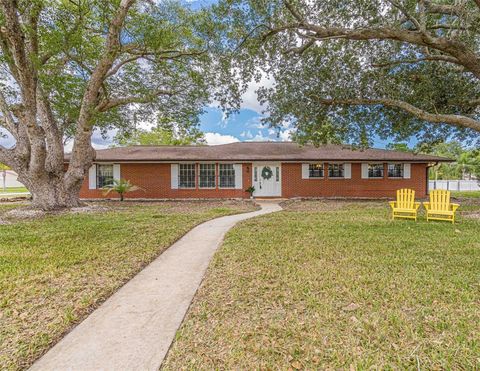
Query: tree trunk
point(50, 193)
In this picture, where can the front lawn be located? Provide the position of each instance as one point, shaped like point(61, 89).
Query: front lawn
point(337, 285)
point(55, 269)
point(466, 194)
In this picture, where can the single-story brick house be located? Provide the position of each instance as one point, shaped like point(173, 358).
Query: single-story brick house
point(275, 169)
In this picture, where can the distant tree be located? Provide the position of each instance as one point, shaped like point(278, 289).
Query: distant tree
point(162, 134)
point(403, 147)
point(466, 165)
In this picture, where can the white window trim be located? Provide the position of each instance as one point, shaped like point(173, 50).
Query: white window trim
point(238, 175)
point(92, 177)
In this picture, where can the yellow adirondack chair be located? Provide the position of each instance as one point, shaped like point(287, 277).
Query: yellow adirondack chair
point(405, 206)
point(439, 207)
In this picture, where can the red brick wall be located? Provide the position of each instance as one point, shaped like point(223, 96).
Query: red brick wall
point(294, 186)
point(154, 178)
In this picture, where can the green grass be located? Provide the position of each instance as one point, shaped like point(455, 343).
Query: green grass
point(466, 194)
point(56, 269)
point(13, 190)
point(337, 285)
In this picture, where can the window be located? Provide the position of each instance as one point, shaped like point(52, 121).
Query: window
point(315, 171)
point(335, 171)
point(255, 174)
point(104, 175)
point(375, 170)
point(207, 176)
point(226, 176)
point(277, 174)
point(395, 170)
point(186, 175)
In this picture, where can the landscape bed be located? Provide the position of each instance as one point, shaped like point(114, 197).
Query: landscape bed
point(56, 268)
point(337, 284)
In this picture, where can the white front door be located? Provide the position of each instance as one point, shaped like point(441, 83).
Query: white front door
point(267, 179)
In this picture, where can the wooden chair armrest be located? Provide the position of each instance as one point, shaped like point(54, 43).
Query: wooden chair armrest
point(426, 205)
point(417, 205)
point(455, 206)
point(392, 204)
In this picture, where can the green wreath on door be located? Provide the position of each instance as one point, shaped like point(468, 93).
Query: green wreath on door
point(267, 173)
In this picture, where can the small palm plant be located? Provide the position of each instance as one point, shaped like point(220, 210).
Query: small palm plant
point(121, 186)
point(250, 190)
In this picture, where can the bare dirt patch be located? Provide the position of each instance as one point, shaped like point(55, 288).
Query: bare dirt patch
point(11, 212)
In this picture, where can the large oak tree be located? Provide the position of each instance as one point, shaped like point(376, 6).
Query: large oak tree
point(72, 66)
point(346, 70)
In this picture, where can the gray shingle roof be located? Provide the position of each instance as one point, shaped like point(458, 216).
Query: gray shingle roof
point(258, 151)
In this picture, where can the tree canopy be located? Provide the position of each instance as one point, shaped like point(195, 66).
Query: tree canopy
point(70, 67)
point(347, 70)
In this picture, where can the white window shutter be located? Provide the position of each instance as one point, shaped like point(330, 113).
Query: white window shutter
point(238, 176)
point(116, 172)
point(305, 171)
point(364, 171)
point(92, 177)
point(347, 171)
point(174, 176)
point(406, 171)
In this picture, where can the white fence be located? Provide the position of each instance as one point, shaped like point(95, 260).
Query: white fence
point(455, 185)
point(10, 179)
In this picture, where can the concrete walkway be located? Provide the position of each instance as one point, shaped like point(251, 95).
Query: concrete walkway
point(134, 328)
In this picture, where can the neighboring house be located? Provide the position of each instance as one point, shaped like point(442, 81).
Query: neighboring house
point(9, 179)
point(275, 169)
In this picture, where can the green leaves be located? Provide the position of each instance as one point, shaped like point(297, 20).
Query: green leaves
point(165, 133)
point(362, 49)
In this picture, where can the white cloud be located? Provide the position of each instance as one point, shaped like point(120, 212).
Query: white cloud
point(285, 135)
point(250, 99)
point(260, 138)
point(246, 134)
point(217, 138)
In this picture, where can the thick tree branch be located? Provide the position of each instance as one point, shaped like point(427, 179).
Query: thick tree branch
point(7, 156)
point(444, 58)
point(296, 14)
point(83, 153)
point(444, 9)
point(119, 65)
point(453, 48)
point(407, 15)
point(22, 49)
point(116, 102)
point(458, 120)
